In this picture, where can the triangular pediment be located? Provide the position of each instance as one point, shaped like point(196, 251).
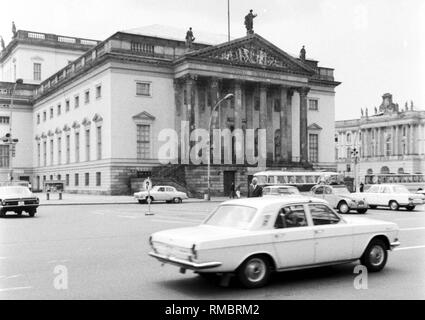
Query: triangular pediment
point(314, 126)
point(252, 50)
point(144, 116)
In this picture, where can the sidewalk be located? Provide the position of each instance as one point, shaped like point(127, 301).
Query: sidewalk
point(69, 199)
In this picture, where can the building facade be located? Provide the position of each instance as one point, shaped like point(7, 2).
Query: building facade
point(391, 141)
point(96, 122)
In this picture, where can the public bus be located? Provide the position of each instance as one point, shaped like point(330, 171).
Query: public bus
point(303, 180)
point(410, 180)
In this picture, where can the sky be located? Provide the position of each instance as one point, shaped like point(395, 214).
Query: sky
point(375, 46)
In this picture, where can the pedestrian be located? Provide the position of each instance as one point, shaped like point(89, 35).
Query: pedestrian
point(232, 191)
point(255, 191)
point(361, 187)
point(238, 192)
point(30, 186)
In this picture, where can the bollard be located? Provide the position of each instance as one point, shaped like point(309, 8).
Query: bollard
point(60, 195)
point(48, 196)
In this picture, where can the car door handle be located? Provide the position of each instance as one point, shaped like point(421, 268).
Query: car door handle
point(280, 235)
point(318, 231)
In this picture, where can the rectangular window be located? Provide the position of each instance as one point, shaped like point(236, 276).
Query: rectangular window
point(37, 71)
point(38, 154)
point(143, 141)
point(98, 91)
point(44, 115)
point(45, 154)
point(99, 142)
point(313, 146)
point(59, 150)
point(88, 145)
point(98, 179)
point(68, 149)
point(51, 112)
point(51, 152)
point(87, 96)
point(143, 89)
point(67, 180)
point(38, 118)
point(76, 102)
point(59, 177)
point(4, 120)
point(313, 104)
point(67, 106)
point(77, 147)
point(59, 109)
point(76, 180)
point(4, 156)
point(87, 179)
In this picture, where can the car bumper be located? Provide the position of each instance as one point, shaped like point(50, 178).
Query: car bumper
point(185, 264)
point(23, 207)
point(394, 244)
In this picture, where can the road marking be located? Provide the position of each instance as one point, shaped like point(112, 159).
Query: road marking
point(57, 261)
point(15, 289)
point(11, 277)
point(412, 229)
point(98, 213)
point(127, 217)
point(410, 248)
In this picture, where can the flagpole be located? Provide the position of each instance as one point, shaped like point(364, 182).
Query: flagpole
point(228, 19)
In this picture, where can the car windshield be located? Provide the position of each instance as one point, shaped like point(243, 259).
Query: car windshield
point(341, 190)
point(279, 191)
point(18, 191)
point(401, 189)
point(231, 216)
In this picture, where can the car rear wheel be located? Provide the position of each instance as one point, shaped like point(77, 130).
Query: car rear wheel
point(410, 208)
point(375, 256)
point(343, 207)
point(254, 272)
point(362, 211)
point(177, 200)
point(394, 205)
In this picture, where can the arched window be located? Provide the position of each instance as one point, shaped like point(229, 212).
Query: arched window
point(400, 171)
point(277, 147)
point(385, 170)
point(369, 171)
point(348, 138)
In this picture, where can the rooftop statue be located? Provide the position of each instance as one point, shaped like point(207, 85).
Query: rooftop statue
point(249, 22)
point(189, 38)
point(303, 53)
point(2, 44)
point(14, 32)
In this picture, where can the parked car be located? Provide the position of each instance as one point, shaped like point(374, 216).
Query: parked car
point(280, 191)
point(161, 193)
point(18, 199)
point(394, 196)
point(253, 237)
point(421, 191)
point(339, 197)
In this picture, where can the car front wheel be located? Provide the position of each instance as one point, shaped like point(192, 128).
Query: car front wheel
point(375, 257)
point(394, 206)
point(177, 200)
point(343, 207)
point(254, 272)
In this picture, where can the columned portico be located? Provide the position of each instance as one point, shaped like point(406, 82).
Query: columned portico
point(303, 124)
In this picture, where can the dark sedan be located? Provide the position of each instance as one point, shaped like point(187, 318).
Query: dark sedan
point(18, 199)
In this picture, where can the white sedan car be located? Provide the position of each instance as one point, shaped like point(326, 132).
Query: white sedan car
point(254, 237)
point(280, 191)
point(393, 196)
point(161, 193)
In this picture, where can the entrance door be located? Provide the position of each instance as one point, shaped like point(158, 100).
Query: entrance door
point(228, 179)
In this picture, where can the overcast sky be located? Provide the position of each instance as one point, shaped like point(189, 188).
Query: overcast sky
point(375, 46)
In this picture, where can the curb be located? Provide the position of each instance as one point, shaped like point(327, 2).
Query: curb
point(112, 203)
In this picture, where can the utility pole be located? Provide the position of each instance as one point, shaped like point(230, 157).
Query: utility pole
point(228, 20)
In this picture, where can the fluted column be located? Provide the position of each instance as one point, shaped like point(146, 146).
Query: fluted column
point(289, 95)
point(238, 105)
point(397, 141)
point(283, 124)
point(214, 96)
point(303, 124)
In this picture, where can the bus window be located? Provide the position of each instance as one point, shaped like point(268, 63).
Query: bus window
point(300, 179)
point(311, 179)
point(282, 179)
point(271, 179)
point(291, 179)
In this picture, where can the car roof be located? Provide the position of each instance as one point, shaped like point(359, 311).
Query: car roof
point(275, 187)
point(260, 203)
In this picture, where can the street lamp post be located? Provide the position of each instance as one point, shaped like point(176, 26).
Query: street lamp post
point(227, 97)
point(12, 142)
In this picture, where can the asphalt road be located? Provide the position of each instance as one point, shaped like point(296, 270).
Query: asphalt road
point(102, 252)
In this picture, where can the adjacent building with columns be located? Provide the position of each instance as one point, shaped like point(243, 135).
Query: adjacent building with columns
point(390, 141)
point(96, 120)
